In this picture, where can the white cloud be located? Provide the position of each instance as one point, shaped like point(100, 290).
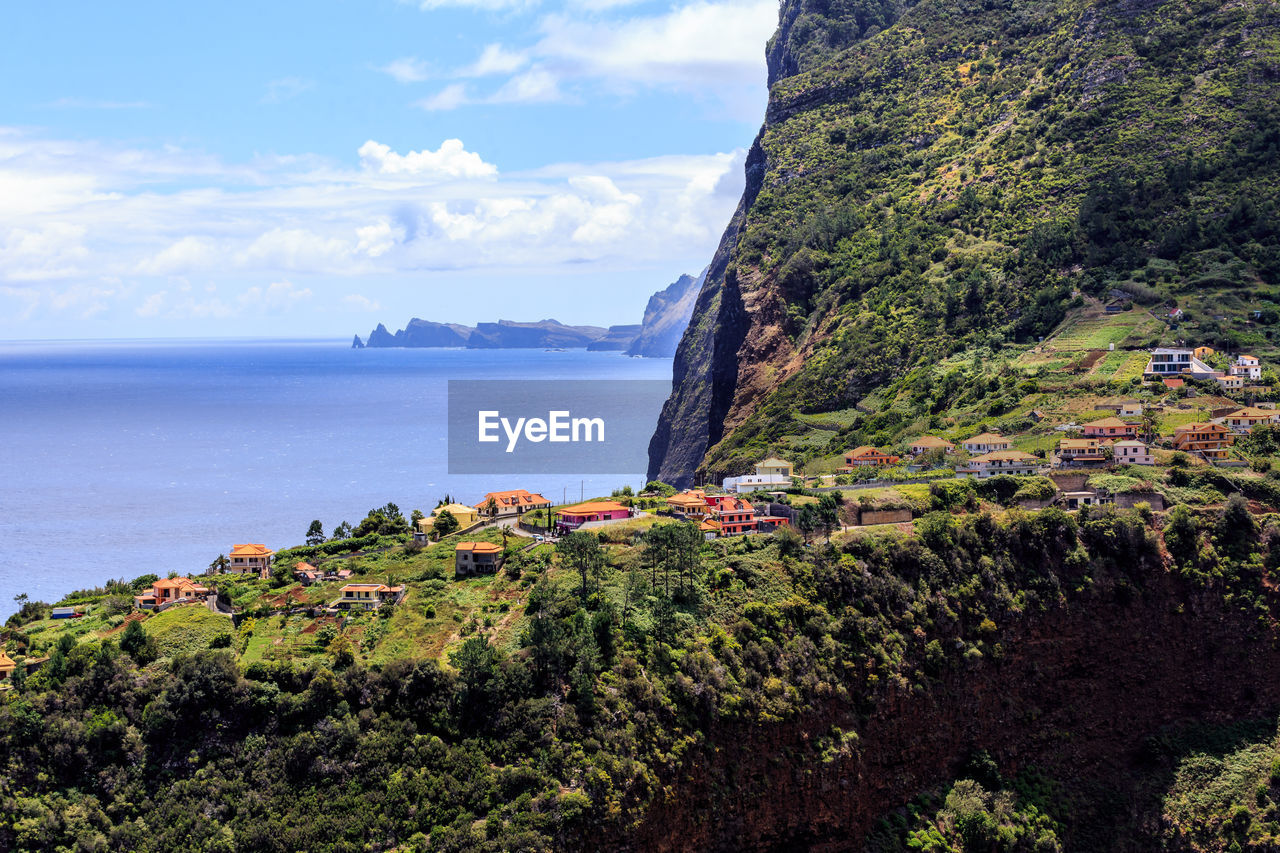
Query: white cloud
point(496, 59)
point(286, 88)
point(171, 224)
point(378, 239)
point(276, 297)
point(533, 86)
point(183, 256)
point(449, 98)
point(451, 160)
point(407, 69)
point(359, 302)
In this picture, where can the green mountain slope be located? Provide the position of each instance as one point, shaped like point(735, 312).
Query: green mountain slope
point(943, 177)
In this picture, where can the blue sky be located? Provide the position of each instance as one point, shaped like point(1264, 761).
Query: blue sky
point(304, 169)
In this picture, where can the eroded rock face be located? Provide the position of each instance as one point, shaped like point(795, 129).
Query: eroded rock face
point(1076, 693)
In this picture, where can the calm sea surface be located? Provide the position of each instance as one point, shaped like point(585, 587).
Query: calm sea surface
point(122, 458)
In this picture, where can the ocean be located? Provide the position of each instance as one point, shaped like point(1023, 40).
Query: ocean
point(131, 457)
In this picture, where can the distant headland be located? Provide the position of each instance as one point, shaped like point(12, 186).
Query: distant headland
point(665, 318)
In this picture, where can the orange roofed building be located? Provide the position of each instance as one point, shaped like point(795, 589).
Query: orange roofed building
point(368, 596)
point(735, 516)
point(1209, 441)
point(251, 560)
point(691, 504)
point(169, 590)
point(513, 502)
point(866, 455)
point(1110, 428)
point(573, 517)
point(473, 558)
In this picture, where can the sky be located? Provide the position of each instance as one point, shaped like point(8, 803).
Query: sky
point(304, 169)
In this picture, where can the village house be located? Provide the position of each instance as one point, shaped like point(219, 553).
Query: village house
point(1230, 383)
point(476, 558)
point(1248, 367)
point(987, 442)
point(1131, 452)
point(368, 596)
point(1109, 428)
point(573, 517)
point(1128, 409)
point(734, 515)
point(1080, 451)
point(1170, 361)
point(999, 462)
point(769, 473)
point(709, 528)
point(250, 559)
point(925, 443)
point(8, 666)
point(1243, 420)
point(168, 590)
point(1204, 352)
point(465, 515)
point(306, 574)
point(1085, 497)
point(1173, 383)
point(1209, 441)
point(690, 504)
point(866, 456)
point(513, 502)
point(65, 613)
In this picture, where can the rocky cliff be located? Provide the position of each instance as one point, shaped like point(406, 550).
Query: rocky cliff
point(666, 317)
point(939, 176)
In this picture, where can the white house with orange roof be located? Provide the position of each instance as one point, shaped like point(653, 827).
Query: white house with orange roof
point(1000, 462)
point(1243, 420)
point(368, 596)
point(987, 442)
point(250, 559)
point(925, 443)
point(511, 502)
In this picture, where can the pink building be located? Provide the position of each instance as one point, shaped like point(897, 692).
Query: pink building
point(573, 517)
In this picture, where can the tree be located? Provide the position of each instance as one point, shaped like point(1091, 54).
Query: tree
point(1182, 537)
point(315, 533)
point(219, 565)
point(581, 550)
point(809, 520)
point(342, 531)
point(489, 508)
point(828, 514)
point(138, 644)
point(340, 648)
point(414, 517)
point(1236, 532)
point(445, 523)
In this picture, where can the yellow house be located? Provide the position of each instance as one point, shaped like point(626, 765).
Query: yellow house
point(466, 515)
point(774, 467)
point(1203, 352)
point(253, 559)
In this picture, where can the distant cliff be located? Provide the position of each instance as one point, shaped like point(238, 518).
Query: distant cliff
point(666, 317)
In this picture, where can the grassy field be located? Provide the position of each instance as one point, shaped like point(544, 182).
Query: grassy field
point(1132, 328)
point(185, 629)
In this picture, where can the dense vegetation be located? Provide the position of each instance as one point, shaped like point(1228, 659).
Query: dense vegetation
point(942, 182)
point(631, 659)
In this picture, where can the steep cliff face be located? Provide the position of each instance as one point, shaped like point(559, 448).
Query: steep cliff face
point(1077, 692)
point(666, 316)
point(941, 175)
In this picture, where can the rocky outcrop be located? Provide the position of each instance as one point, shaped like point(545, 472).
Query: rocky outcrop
point(356, 343)
point(898, 208)
point(617, 339)
point(666, 317)
point(506, 334)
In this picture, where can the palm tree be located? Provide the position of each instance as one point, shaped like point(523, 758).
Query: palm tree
point(219, 565)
